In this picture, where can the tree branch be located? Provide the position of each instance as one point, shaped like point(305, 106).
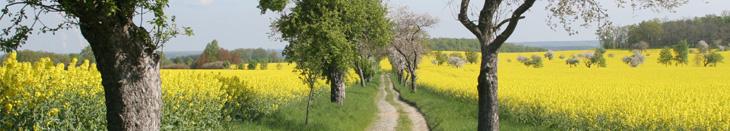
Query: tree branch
point(502, 37)
point(464, 19)
point(504, 22)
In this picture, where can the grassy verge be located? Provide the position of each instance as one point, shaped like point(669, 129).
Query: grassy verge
point(404, 123)
point(357, 112)
point(444, 112)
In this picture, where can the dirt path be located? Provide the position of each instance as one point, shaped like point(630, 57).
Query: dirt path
point(388, 113)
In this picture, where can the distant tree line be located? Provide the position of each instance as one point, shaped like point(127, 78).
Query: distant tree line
point(659, 34)
point(215, 57)
point(212, 57)
point(464, 44)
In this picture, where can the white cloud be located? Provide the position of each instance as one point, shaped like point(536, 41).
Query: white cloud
point(206, 2)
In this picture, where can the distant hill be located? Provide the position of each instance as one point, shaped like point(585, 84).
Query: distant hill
point(563, 45)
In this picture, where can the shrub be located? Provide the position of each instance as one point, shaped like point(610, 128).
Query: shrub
point(572, 61)
point(264, 65)
point(213, 65)
point(549, 54)
point(456, 62)
point(472, 57)
point(534, 61)
point(596, 58)
point(251, 65)
point(561, 57)
point(634, 60)
point(441, 58)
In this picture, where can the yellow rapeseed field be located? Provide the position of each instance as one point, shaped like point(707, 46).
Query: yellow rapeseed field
point(44, 96)
point(650, 97)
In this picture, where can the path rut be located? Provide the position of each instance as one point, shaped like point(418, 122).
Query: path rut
point(388, 114)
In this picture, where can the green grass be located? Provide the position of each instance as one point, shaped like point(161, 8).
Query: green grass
point(444, 112)
point(357, 113)
point(404, 123)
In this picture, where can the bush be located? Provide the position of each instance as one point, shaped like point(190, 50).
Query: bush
point(441, 58)
point(561, 57)
point(213, 65)
point(456, 62)
point(596, 58)
point(634, 60)
point(279, 66)
point(534, 61)
point(251, 65)
point(264, 65)
point(472, 57)
point(549, 54)
point(176, 66)
point(572, 61)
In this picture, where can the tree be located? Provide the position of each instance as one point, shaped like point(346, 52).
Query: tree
point(324, 35)
point(641, 46)
point(712, 58)
point(441, 58)
point(457, 62)
point(212, 51)
point(409, 39)
point(472, 57)
point(634, 60)
point(126, 53)
point(87, 54)
point(682, 53)
point(488, 24)
point(665, 56)
point(371, 36)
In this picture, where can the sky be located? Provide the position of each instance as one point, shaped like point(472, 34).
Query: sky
point(239, 24)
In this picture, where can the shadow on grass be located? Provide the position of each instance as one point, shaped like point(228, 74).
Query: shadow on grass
point(357, 113)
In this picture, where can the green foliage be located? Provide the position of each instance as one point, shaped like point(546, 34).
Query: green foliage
point(665, 56)
point(596, 58)
point(87, 54)
point(712, 58)
point(251, 65)
point(264, 65)
point(212, 51)
point(681, 50)
point(572, 61)
point(472, 56)
point(323, 34)
point(441, 58)
point(462, 44)
point(534, 61)
point(272, 5)
point(666, 33)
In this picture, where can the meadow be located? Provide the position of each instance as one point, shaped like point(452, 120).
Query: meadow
point(618, 97)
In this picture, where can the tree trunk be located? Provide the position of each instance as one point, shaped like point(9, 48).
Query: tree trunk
point(488, 115)
point(413, 79)
point(337, 85)
point(309, 101)
point(360, 73)
point(130, 73)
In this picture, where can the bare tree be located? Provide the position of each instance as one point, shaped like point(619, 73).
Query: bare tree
point(488, 30)
point(409, 37)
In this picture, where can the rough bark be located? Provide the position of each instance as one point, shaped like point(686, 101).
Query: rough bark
point(487, 89)
point(129, 70)
point(485, 30)
point(413, 80)
point(337, 85)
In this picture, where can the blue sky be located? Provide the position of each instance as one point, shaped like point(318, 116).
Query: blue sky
point(239, 24)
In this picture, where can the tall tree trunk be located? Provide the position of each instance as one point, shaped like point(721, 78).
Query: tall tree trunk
point(488, 115)
point(413, 79)
point(361, 73)
point(130, 73)
point(309, 100)
point(337, 85)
